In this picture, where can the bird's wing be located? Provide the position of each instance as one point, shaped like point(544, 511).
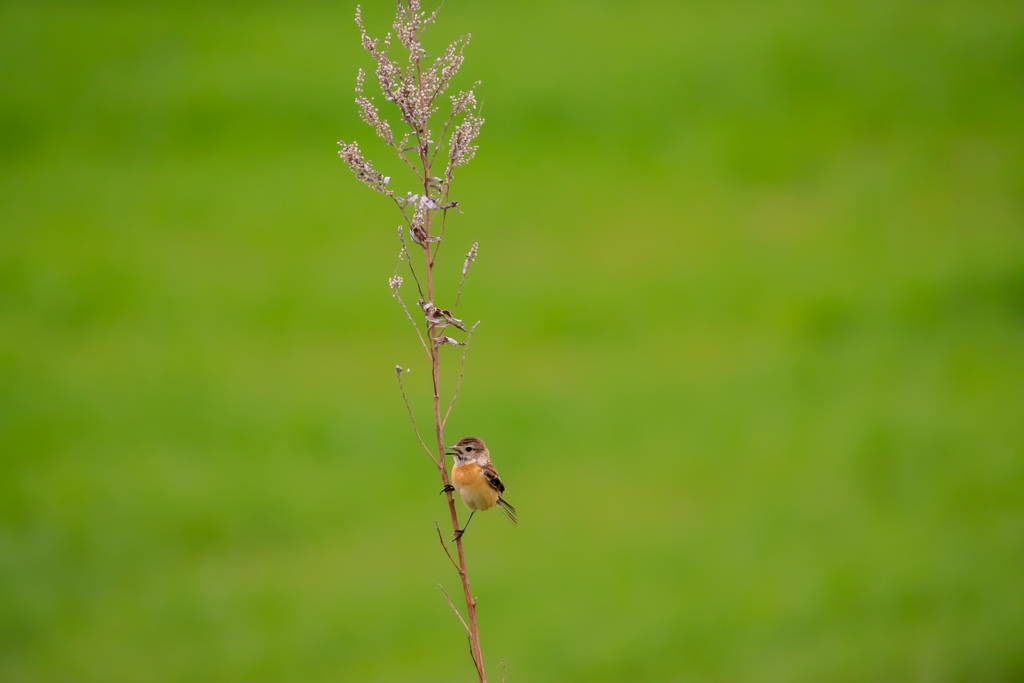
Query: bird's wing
point(494, 480)
point(492, 477)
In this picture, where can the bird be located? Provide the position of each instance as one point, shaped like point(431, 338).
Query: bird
point(476, 481)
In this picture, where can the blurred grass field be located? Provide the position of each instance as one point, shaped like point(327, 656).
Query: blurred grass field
point(751, 279)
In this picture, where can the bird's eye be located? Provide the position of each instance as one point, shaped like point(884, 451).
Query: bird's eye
point(469, 448)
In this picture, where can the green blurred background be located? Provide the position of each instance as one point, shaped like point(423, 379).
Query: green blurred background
point(751, 279)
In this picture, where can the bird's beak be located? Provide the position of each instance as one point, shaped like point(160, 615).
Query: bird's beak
point(450, 450)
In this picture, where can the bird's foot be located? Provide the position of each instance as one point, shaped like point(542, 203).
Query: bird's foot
point(457, 535)
point(447, 489)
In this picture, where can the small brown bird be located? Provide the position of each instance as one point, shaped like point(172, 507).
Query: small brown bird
point(476, 481)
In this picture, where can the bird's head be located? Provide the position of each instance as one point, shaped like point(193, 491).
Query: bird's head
point(470, 449)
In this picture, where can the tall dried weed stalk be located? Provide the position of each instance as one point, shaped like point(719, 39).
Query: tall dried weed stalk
point(414, 90)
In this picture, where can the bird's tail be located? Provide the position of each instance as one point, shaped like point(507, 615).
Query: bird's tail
point(509, 511)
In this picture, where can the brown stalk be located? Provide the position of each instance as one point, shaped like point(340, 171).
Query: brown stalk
point(416, 105)
point(435, 372)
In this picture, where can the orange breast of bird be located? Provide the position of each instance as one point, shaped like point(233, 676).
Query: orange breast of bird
point(473, 488)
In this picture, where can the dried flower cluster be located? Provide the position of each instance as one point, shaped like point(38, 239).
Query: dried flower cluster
point(461, 150)
point(363, 169)
point(370, 114)
point(414, 89)
point(411, 88)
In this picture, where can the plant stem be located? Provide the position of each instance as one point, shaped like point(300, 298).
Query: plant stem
point(435, 366)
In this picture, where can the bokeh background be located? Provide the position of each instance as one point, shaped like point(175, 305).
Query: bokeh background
point(751, 278)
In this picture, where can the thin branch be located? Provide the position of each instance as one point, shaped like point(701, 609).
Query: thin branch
point(443, 133)
point(470, 257)
point(444, 217)
point(458, 385)
point(409, 316)
point(408, 258)
point(472, 653)
point(401, 207)
point(405, 159)
point(401, 153)
point(432, 18)
point(469, 632)
point(398, 373)
point(400, 203)
point(454, 609)
point(444, 546)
